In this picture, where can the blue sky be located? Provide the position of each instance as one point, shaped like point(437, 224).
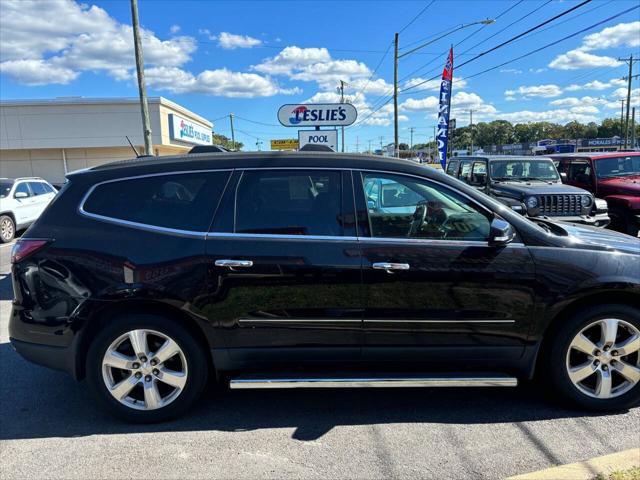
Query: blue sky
point(251, 57)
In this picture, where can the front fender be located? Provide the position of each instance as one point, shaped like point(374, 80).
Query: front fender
point(627, 202)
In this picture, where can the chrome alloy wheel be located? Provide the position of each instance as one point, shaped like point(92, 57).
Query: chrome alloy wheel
point(6, 229)
point(144, 369)
point(603, 359)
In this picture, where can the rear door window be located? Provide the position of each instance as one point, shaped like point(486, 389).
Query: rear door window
point(452, 167)
point(176, 201)
point(38, 188)
point(289, 202)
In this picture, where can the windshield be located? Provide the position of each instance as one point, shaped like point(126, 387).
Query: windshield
point(519, 170)
point(5, 188)
point(618, 166)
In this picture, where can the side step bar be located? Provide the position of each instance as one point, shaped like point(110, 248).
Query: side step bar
point(250, 382)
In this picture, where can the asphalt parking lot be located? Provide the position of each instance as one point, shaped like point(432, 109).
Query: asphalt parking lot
point(49, 428)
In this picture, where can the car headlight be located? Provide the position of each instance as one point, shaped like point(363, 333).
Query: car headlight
point(531, 202)
point(586, 200)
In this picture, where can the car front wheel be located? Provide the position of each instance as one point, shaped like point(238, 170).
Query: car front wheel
point(594, 359)
point(7, 229)
point(145, 368)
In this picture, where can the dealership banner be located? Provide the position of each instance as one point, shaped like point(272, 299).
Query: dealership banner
point(444, 109)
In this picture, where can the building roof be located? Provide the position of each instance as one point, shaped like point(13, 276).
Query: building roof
point(59, 101)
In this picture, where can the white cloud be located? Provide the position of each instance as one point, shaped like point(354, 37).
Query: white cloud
point(173, 29)
point(575, 59)
point(574, 101)
point(231, 41)
point(597, 85)
point(37, 72)
point(621, 35)
point(544, 91)
point(292, 58)
point(557, 116)
point(220, 82)
point(434, 85)
point(584, 109)
point(515, 71)
point(66, 38)
point(537, 70)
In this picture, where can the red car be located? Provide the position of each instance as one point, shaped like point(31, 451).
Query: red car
point(614, 176)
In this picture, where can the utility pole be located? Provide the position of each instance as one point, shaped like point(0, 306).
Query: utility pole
point(435, 143)
point(633, 127)
point(471, 130)
point(381, 145)
point(142, 87)
point(369, 146)
point(357, 144)
point(411, 146)
point(395, 96)
point(233, 135)
point(621, 118)
point(341, 89)
point(629, 61)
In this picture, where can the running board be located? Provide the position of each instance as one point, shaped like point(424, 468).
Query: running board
point(258, 381)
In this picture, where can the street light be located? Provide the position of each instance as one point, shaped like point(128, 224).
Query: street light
point(487, 21)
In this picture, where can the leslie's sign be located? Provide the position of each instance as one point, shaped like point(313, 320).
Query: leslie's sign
point(317, 115)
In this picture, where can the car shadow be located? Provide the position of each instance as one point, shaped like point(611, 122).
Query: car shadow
point(37, 402)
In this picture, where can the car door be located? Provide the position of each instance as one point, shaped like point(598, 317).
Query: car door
point(41, 196)
point(24, 207)
point(580, 173)
point(285, 278)
point(433, 285)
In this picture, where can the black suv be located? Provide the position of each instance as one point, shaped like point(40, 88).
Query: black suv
point(530, 186)
point(315, 269)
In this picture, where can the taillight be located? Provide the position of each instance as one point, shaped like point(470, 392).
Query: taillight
point(26, 247)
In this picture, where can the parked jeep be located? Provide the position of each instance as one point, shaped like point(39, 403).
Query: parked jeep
point(530, 186)
point(614, 176)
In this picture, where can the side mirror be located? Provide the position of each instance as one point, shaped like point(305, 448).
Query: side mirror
point(478, 179)
point(20, 195)
point(563, 177)
point(371, 204)
point(501, 233)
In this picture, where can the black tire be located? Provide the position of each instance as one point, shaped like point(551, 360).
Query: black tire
point(554, 367)
point(631, 225)
point(193, 352)
point(7, 229)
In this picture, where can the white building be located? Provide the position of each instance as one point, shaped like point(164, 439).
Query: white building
point(48, 138)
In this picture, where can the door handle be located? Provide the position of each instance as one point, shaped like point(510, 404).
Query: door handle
point(234, 263)
point(390, 267)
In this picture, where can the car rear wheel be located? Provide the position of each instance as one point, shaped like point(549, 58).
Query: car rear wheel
point(145, 368)
point(594, 358)
point(7, 229)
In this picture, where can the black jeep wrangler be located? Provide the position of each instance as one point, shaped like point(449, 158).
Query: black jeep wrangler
point(531, 186)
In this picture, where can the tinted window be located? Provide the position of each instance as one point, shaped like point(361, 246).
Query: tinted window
point(465, 170)
point(38, 188)
point(5, 188)
point(478, 173)
point(415, 208)
point(295, 202)
point(580, 171)
point(618, 166)
point(523, 170)
point(183, 202)
point(24, 188)
point(452, 167)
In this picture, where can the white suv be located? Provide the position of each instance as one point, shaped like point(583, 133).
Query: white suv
point(21, 202)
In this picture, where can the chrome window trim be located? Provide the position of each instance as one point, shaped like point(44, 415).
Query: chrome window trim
point(299, 320)
point(376, 320)
point(145, 226)
point(273, 236)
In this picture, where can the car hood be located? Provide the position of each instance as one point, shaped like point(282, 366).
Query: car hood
point(626, 185)
point(536, 188)
point(593, 238)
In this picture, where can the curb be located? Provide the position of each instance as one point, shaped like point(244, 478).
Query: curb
point(587, 469)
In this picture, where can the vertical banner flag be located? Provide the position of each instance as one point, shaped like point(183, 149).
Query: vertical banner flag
point(443, 111)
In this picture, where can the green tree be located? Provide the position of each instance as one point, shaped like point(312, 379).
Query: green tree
point(575, 130)
point(219, 139)
point(610, 127)
point(403, 146)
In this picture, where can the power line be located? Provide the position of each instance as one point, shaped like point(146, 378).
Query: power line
point(373, 73)
point(416, 17)
point(256, 122)
point(512, 39)
point(553, 43)
point(463, 40)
